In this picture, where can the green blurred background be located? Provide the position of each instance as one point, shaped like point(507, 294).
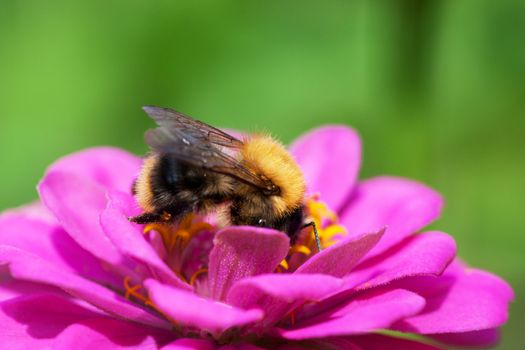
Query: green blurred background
point(435, 88)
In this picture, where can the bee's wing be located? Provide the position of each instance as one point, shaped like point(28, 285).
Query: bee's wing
point(195, 148)
point(171, 119)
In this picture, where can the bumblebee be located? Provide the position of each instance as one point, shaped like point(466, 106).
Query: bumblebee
point(195, 167)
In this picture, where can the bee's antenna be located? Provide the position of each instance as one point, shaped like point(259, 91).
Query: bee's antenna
point(317, 240)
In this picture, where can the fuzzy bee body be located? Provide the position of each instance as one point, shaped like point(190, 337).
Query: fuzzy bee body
point(167, 185)
point(194, 167)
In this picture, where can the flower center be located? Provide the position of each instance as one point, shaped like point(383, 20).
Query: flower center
point(328, 229)
point(176, 239)
point(327, 222)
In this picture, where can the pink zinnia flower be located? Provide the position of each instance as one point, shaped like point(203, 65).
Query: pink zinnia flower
point(76, 273)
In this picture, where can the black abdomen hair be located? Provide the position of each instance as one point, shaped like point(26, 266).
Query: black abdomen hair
point(179, 188)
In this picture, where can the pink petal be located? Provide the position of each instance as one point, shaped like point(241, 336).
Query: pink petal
point(111, 168)
point(106, 333)
point(419, 255)
point(240, 347)
point(11, 288)
point(130, 240)
point(381, 342)
point(194, 311)
point(366, 313)
point(285, 287)
point(314, 345)
point(51, 243)
point(339, 259)
point(190, 344)
point(330, 158)
point(33, 321)
point(34, 211)
point(484, 338)
point(243, 251)
point(403, 206)
point(335, 343)
point(278, 294)
point(77, 203)
point(26, 266)
point(462, 300)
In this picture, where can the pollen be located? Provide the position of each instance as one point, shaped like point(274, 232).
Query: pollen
point(328, 229)
point(300, 248)
point(327, 223)
point(284, 264)
point(133, 291)
point(177, 237)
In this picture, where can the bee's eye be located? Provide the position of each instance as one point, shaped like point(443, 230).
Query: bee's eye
point(261, 222)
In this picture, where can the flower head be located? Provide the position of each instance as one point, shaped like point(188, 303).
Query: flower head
point(75, 272)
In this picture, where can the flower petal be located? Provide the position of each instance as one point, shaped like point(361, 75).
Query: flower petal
point(339, 259)
point(111, 168)
point(193, 311)
point(286, 287)
point(77, 203)
point(242, 346)
point(51, 243)
point(335, 343)
point(278, 294)
point(462, 300)
point(403, 206)
point(190, 344)
point(484, 338)
point(29, 267)
point(428, 253)
point(130, 241)
point(33, 321)
point(243, 251)
point(12, 288)
point(106, 333)
point(35, 210)
point(365, 313)
point(381, 342)
point(330, 158)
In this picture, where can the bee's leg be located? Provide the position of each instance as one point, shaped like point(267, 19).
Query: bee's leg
point(148, 218)
point(317, 240)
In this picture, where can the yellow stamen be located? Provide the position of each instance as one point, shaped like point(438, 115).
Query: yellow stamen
point(197, 274)
point(300, 248)
point(319, 210)
point(133, 291)
point(333, 230)
point(177, 237)
point(200, 226)
point(327, 225)
point(284, 264)
point(182, 234)
point(187, 221)
point(151, 227)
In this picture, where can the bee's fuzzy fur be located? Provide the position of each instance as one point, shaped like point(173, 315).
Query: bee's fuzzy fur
point(167, 185)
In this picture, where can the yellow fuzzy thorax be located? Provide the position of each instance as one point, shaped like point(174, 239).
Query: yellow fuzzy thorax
point(144, 194)
point(269, 157)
